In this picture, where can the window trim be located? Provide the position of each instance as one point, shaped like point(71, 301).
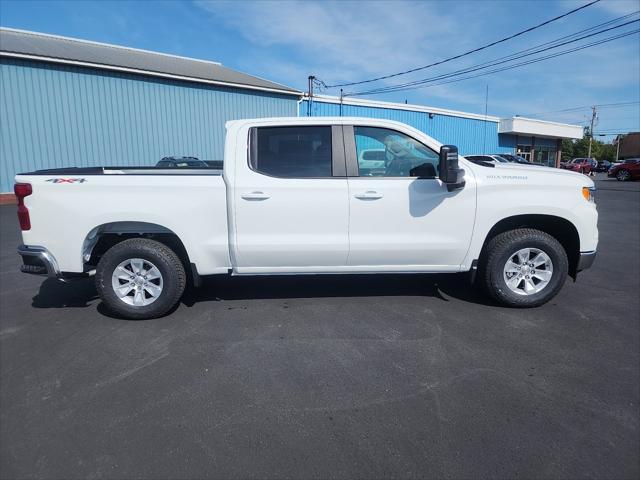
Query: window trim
point(338, 162)
point(353, 168)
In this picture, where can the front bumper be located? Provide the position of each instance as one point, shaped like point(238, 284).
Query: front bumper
point(586, 260)
point(38, 261)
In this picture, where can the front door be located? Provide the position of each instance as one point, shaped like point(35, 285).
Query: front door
point(291, 203)
point(397, 219)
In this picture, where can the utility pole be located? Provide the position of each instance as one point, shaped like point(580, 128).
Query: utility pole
point(618, 146)
point(593, 121)
point(486, 106)
point(311, 81)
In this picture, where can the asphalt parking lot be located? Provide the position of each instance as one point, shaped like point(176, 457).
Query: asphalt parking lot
point(328, 377)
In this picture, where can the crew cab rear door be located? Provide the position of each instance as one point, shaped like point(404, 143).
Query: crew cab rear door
point(402, 217)
point(291, 201)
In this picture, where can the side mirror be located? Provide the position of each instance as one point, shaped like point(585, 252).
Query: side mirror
point(449, 172)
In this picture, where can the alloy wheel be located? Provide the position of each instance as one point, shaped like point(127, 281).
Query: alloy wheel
point(137, 282)
point(528, 271)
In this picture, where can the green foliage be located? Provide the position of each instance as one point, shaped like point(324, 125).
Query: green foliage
point(580, 148)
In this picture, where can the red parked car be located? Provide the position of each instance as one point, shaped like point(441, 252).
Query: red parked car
point(627, 170)
point(582, 165)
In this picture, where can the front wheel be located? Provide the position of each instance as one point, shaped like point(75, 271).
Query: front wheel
point(523, 267)
point(140, 278)
point(623, 175)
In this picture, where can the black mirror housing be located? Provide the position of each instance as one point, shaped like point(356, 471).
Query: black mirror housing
point(426, 170)
point(449, 172)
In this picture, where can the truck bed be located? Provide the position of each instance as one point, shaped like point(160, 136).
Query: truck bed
point(68, 205)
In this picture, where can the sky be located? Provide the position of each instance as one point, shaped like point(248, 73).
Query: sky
point(345, 41)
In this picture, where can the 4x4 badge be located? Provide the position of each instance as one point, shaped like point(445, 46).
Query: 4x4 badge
point(66, 180)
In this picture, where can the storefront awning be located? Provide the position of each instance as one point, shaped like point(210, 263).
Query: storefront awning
point(539, 128)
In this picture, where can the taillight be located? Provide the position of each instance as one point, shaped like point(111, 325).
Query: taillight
point(23, 190)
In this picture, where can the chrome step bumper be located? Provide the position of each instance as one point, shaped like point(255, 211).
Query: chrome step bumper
point(38, 261)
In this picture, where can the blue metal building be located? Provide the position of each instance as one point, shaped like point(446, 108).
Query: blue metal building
point(67, 102)
point(536, 140)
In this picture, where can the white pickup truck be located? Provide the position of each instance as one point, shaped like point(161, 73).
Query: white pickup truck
point(302, 196)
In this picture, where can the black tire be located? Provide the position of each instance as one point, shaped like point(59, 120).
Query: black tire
point(174, 277)
point(623, 175)
point(502, 247)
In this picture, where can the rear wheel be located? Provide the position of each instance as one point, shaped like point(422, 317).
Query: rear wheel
point(523, 267)
point(623, 175)
point(140, 278)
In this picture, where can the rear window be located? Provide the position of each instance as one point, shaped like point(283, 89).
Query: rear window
point(292, 152)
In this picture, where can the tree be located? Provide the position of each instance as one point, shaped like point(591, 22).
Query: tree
point(580, 149)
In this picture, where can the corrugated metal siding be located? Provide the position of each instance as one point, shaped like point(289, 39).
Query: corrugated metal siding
point(57, 116)
point(469, 135)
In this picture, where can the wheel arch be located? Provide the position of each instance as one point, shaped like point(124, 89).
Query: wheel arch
point(560, 228)
point(102, 237)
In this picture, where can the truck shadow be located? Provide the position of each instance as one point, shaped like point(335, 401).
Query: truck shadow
point(327, 286)
point(82, 293)
point(56, 294)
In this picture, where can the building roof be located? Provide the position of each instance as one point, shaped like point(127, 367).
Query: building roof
point(365, 102)
point(539, 128)
point(52, 48)
point(514, 125)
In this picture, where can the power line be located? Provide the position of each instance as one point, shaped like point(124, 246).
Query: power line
point(468, 52)
point(494, 62)
point(510, 67)
point(572, 109)
point(621, 104)
point(613, 129)
point(501, 60)
point(611, 134)
point(558, 43)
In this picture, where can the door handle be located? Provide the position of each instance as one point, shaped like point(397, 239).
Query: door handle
point(369, 195)
point(255, 196)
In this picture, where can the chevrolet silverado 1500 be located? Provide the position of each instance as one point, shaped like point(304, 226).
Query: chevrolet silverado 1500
point(301, 196)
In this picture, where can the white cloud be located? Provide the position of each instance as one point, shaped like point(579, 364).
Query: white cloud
point(341, 40)
point(619, 7)
point(348, 41)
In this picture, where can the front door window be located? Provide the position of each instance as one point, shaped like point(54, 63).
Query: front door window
point(387, 153)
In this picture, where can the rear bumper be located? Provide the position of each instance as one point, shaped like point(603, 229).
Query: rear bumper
point(38, 261)
point(586, 260)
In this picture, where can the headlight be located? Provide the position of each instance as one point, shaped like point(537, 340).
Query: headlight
point(589, 193)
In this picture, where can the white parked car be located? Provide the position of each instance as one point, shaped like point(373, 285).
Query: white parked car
point(372, 158)
point(476, 158)
point(295, 196)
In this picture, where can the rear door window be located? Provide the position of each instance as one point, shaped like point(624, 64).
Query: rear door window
point(292, 152)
